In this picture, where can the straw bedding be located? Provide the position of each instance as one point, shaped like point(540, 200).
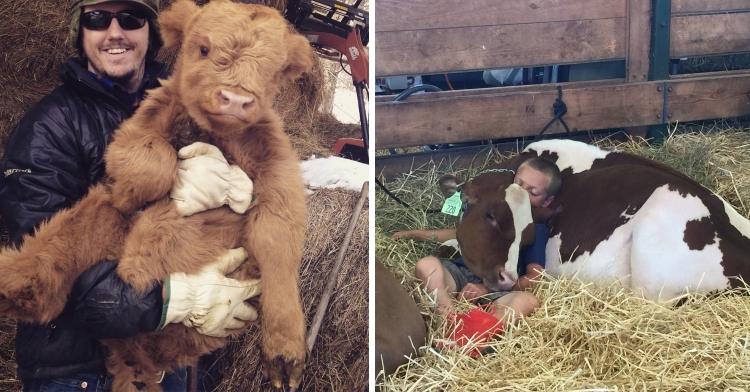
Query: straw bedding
point(586, 337)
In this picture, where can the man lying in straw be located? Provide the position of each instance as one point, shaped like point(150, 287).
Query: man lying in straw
point(540, 178)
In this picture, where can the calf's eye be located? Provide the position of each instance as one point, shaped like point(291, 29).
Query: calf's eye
point(204, 51)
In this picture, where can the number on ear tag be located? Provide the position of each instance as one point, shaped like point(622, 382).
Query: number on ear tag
point(452, 205)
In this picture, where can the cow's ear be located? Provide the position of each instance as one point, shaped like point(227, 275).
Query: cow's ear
point(448, 185)
point(515, 195)
point(545, 214)
point(299, 56)
point(528, 234)
point(469, 193)
point(174, 21)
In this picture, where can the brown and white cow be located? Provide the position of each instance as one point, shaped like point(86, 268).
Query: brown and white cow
point(619, 217)
point(399, 327)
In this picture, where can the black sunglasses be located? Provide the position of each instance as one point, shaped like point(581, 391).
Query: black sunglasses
point(100, 20)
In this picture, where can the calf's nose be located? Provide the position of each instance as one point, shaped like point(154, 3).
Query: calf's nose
point(233, 104)
point(505, 281)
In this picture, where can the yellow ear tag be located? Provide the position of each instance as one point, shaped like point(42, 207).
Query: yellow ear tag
point(452, 205)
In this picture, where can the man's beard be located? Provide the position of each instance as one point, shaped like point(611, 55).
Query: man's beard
point(122, 80)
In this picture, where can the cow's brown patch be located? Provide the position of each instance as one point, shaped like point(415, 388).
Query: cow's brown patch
point(699, 233)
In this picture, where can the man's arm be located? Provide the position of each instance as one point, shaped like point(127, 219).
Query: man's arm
point(438, 235)
point(105, 307)
point(43, 171)
point(36, 186)
point(534, 257)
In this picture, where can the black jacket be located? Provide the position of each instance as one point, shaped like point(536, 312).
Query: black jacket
point(52, 157)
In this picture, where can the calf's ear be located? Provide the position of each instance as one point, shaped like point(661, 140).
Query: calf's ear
point(469, 193)
point(448, 185)
point(546, 215)
point(299, 56)
point(175, 20)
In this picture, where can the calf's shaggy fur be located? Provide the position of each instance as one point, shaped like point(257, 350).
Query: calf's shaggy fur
point(227, 50)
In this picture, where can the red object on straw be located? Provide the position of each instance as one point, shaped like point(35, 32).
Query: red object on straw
point(477, 326)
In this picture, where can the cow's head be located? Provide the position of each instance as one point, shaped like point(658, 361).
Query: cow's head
point(496, 224)
point(233, 58)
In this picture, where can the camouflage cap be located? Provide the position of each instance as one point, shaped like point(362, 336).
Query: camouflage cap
point(150, 6)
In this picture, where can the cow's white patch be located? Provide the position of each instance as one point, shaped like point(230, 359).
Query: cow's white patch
point(520, 206)
point(571, 154)
point(452, 243)
point(629, 212)
point(609, 262)
point(663, 265)
point(649, 252)
point(737, 220)
point(553, 264)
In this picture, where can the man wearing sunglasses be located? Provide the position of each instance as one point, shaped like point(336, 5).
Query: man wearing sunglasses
point(52, 157)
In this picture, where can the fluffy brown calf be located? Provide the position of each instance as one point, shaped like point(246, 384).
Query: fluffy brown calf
point(233, 59)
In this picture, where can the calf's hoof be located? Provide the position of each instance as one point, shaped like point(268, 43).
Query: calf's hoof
point(283, 371)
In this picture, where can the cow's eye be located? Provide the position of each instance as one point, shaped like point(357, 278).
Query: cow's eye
point(489, 216)
point(204, 51)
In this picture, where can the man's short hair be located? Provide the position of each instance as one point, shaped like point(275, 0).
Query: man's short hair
point(549, 169)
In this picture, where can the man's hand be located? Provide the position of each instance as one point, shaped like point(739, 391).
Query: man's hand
point(207, 181)
point(533, 272)
point(473, 291)
point(209, 301)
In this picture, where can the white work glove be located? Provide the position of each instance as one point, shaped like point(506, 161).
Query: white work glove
point(209, 301)
point(207, 181)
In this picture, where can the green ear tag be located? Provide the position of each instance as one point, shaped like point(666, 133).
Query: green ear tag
point(452, 205)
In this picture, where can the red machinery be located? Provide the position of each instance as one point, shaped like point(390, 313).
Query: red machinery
point(340, 30)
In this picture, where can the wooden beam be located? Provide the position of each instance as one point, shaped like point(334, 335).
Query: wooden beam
point(423, 52)
point(708, 97)
point(638, 40)
point(659, 58)
point(450, 120)
point(703, 35)
point(699, 6)
point(391, 166)
point(399, 15)
point(496, 90)
point(436, 119)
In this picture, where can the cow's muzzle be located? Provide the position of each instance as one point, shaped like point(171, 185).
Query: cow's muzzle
point(504, 282)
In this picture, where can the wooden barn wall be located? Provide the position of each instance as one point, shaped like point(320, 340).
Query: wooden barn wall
point(421, 37)
point(427, 37)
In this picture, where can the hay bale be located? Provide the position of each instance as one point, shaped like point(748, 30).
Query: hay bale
point(339, 360)
point(8, 380)
point(586, 337)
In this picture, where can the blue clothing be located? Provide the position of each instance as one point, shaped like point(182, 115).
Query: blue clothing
point(172, 382)
point(536, 252)
point(74, 383)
